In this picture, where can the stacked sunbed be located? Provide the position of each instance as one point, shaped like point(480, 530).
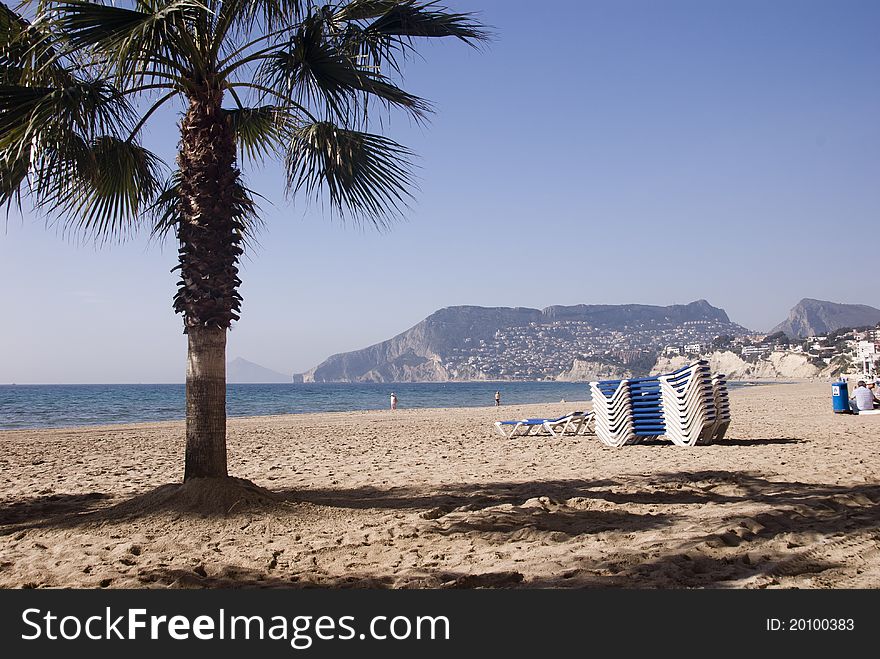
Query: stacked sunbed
point(627, 411)
point(722, 406)
point(687, 407)
point(689, 404)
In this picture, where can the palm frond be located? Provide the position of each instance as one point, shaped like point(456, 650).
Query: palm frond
point(311, 70)
point(360, 10)
point(98, 188)
point(381, 32)
point(428, 19)
point(365, 176)
point(68, 134)
point(152, 37)
point(165, 209)
point(34, 115)
point(259, 131)
point(270, 14)
point(13, 46)
point(13, 177)
point(27, 54)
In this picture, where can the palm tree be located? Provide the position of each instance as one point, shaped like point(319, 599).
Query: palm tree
point(286, 79)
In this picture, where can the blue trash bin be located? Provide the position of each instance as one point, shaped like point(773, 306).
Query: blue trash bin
point(840, 397)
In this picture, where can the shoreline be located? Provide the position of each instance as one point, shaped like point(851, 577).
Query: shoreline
point(318, 416)
point(232, 417)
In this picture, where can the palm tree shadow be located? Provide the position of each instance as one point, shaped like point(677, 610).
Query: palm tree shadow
point(446, 497)
point(199, 497)
point(233, 576)
point(556, 525)
point(789, 525)
point(35, 509)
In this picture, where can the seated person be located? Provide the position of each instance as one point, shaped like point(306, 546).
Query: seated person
point(862, 399)
point(875, 389)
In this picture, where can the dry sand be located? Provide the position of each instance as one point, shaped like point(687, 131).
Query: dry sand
point(435, 498)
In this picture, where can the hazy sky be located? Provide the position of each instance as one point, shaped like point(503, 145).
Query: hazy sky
point(615, 151)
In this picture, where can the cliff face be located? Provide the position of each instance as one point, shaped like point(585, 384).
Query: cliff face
point(415, 355)
point(779, 365)
point(818, 317)
point(437, 348)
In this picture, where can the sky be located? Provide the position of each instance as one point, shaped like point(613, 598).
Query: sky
point(596, 152)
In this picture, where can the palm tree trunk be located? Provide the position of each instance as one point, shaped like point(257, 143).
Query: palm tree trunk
point(206, 403)
point(210, 234)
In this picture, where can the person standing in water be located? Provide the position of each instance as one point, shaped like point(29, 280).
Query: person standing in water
point(393, 401)
point(497, 399)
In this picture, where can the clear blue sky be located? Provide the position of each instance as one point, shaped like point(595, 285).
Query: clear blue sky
point(608, 151)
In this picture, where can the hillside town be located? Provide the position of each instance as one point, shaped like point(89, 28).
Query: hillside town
point(586, 342)
point(846, 351)
point(545, 350)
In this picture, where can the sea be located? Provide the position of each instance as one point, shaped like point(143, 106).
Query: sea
point(63, 405)
point(58, 406)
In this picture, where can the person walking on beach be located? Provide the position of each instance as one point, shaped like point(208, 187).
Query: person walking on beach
point(393, 401)
point(497, 399)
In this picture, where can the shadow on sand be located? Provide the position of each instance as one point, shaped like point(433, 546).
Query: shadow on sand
point(798, 528)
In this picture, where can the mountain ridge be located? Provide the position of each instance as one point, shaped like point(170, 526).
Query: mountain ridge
point(457, 343)
point(811, 317)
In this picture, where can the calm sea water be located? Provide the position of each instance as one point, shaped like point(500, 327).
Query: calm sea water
point(53, 406)
point(58, 406)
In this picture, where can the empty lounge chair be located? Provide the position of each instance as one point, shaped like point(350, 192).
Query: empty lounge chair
point(573, 424)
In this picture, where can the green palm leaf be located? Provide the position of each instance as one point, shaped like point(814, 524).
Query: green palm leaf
point(429, 19)
point(13, 176)
point(99, 188)
point(32, 116)
point(311, 70)
point(27, 55)
point(154, 37)
point(359, 10)
point(364, 175)
point(395, 23)
point(270, 13)
point(260, 132)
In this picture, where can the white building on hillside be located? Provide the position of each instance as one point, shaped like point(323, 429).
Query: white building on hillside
point(866, 357)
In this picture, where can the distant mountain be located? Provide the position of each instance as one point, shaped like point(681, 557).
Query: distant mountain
point(241, 371)
point(480, 343)
point(819, 317)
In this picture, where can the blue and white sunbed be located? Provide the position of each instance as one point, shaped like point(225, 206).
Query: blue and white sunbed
point(573, 423)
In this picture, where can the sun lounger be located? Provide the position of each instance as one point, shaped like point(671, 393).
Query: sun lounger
point(573, 423)
point(688, 407)
point(519, 427)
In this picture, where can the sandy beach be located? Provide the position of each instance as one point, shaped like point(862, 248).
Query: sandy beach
point(436, 498)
